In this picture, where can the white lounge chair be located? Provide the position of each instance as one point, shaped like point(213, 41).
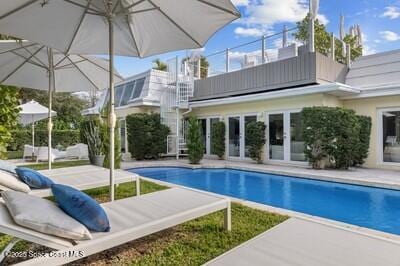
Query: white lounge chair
point(130, 219)
point(79, 151)
point(43, 155)
point(29, 151)
point(83, 177)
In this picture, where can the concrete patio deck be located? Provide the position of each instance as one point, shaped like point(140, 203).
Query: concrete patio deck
point(309, 243)
point(358, 176)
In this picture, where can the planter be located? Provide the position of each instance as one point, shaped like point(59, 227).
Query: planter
point(99, 160)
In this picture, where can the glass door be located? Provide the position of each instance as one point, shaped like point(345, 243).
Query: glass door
point(203, 124)
point(207, 127)
point(234, 136)
point(389, 136)
point(212, 122)
point(285, 138)
point(245, 121)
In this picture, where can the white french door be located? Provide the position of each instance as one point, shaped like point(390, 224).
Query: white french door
point(236, 135)
point(207, 127)
point(284, 137)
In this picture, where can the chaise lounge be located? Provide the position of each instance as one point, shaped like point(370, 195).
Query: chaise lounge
point(130, 219)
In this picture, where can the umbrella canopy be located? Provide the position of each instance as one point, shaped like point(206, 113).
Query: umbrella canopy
point(116, 27)
point(27, 64)
point(31, 65)
point(32, 112)
point(142, 27)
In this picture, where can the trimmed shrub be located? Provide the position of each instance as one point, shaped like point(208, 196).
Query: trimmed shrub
point(64, 138)
point(147, 137)
point(255, 139)
point(194, 140)
point(218, 139)
point(364, 138)
point(332, 137)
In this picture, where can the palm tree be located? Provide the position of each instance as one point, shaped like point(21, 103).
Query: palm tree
point(159, 65)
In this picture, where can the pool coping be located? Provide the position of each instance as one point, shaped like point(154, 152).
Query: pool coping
point(312, 176)
point(264, 207)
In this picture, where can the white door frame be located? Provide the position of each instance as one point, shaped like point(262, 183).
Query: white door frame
point(208, 133)
point(287, 136)
point(379, 134)
point(242, 136)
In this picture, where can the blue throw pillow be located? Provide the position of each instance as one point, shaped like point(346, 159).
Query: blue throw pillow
point(33, 178)
point(81, 207)
point(8, 167)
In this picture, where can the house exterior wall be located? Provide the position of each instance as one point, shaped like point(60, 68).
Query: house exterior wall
point(370, 107)
point(364, 106)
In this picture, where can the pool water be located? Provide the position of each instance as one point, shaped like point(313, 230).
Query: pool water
point(369, 207)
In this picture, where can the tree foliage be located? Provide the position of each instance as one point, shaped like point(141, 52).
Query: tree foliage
point(195, 143)
point(334, 137)
point(147, 136)
point(8, 116)
point(323, 40)
point(160, 65)
point(218, 139)
point(255, 139)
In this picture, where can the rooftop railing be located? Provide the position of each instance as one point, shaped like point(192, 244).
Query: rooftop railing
point(267, 49)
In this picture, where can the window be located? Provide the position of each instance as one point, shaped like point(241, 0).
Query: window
point(127, 93)
point(390, 132)
point(137, 91)
point(118, 94)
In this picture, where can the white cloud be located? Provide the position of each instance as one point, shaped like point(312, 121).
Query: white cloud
point(269, 12)
point(390, 36)
point(240, 2)
point(391, 12)
point(249, 32)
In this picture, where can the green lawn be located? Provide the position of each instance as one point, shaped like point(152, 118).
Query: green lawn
point(192, 243)
point(15, 154)
point(43, 166)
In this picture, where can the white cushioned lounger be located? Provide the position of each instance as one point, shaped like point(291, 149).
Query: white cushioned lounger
point(83, 177)
point(130, 219)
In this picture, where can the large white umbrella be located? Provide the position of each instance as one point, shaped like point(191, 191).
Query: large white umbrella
point(31, 65)
point(123, 27)
point(32, 112)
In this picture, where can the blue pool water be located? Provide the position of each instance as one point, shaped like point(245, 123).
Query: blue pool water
point(369, 207)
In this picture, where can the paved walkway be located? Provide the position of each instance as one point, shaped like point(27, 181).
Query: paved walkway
point(358, 176)
point(308, 243)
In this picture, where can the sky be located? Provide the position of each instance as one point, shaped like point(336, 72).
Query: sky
point(379, 21)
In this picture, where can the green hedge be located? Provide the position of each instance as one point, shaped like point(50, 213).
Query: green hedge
point(218, 139)
point(147, 137)
point(194, 140)
point(255, 139)
point(335, 137)
point(64, 138)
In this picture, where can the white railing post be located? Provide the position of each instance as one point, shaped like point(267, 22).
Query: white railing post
point(333, 46)
point(311, 41)
point(348, 55)
point(177, 108)
point(263, 49)
point(227, 60)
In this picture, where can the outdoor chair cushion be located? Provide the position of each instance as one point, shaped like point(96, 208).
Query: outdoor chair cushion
point(8, 167)
point(81, 207)
point(33, 178)
point(43, 216)
point(10, 181)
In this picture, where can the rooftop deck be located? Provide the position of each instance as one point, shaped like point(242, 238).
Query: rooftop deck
point(301, 70)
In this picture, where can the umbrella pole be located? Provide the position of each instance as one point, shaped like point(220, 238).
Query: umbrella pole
point(33, 139)
point(51, 89)
point(112, 117)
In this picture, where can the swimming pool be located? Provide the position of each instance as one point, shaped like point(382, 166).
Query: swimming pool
point(369, 207)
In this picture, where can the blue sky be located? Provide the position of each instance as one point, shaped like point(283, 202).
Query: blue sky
point(379, 21)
